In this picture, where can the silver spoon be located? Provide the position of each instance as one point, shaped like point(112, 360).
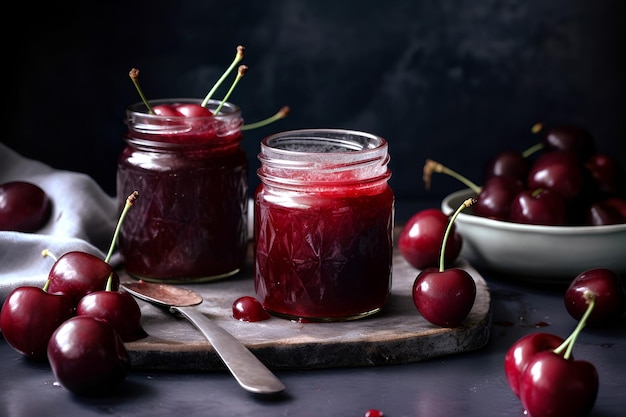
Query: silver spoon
point(247, 369)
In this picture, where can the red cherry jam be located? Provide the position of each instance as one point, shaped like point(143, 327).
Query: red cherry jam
point(189, 223)
point(323, 225)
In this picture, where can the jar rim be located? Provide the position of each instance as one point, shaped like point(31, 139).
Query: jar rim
point(139, 108)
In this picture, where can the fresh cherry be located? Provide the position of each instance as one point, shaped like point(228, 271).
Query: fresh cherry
point(445, 297)
point(559, 171)
point(118, 308)
point(88, 356)
point(250, 309)
point(508, 163)
point(78, 273)
point(608, 289)
point(554, 384)
point(519, 354)
point(24, 207)
point(30, 315)
point(607, 173)
point(605, 212)
point(421, 237)
point(540, 207)
point(567, 137)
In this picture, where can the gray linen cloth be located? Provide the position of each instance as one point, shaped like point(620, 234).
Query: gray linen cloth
point(83, 218)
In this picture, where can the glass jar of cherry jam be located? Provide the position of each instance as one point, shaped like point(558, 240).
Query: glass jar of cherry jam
point(324, 216)
point(189, 223)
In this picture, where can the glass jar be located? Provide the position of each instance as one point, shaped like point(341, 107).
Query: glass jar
point(189, 223)
point(324, 216)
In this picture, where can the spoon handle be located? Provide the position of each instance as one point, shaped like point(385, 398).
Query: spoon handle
point(247, 369)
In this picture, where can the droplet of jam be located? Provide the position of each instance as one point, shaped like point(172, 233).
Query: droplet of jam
point(374, 413)
point(248, 308)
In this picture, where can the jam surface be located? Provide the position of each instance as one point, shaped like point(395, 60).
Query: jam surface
point(323, 256)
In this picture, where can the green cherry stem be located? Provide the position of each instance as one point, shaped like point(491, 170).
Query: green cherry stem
point(236, 60)
point(568, 344)
point(134, 76)
point(433, 166)
point(467, 203)
point(240, 73)
point(130, 200)
point(281, 114)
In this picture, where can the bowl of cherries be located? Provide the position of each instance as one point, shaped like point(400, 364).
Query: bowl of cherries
point(545, 213)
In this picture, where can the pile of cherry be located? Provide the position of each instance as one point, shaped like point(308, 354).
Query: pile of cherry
point(78, 321)
point(561, 181)
point(540, 367)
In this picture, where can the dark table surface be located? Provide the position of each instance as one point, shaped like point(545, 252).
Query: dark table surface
point(466, 384)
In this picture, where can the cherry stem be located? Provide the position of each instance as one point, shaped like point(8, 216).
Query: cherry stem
point(45, 253)
point(467, 203)
point(433, 166)
point(236, 60)
point(240, 73)
point(134, 76)
point(130, 200)
point(568, 344)
point(281, 114)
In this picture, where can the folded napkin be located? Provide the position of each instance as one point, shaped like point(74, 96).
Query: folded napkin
point(83, 218)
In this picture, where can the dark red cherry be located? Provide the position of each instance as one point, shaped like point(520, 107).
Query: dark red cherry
point(496, 196)
point(539, 207)
point(570, 138)
point(421, 238)
point(555, 386)
point(79, 273)
point(29, 316)
point(608, 288)
point(604, 213)
point(87, 356)
point(166, 110)
point(24, 207)
point(118, 308)
point(192, 110)
point(519, 354)
point(508, 164)
point(248, 308)
point(559, 171)
point(607, 174)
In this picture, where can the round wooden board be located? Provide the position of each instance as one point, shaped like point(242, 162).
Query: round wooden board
point(398, 334)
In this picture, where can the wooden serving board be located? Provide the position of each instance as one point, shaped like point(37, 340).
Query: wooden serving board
point(398, 334)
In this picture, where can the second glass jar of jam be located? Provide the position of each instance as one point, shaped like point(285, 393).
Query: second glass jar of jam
point(324, 215)
point(189, 223)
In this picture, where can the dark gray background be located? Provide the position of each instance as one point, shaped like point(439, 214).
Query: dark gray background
point(455, 81)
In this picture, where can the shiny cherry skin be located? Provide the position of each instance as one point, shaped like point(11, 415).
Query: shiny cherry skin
point(607, 174)
point(608, 288)
point(508, 163)
point(570, 138)
point(539, 207)
point(496, 196)
point(250, 309)
point(421, 238)
point(87, 356)
point(552, 386)
point(79, 273)
point(29, 316)
point(181, 110)
point(24, 207)
point(444, 298)
point(559, 171)
point(118, 308)
point(519, 354)
point(603, 212)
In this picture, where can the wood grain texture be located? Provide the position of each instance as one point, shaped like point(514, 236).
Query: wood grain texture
point(398, 334)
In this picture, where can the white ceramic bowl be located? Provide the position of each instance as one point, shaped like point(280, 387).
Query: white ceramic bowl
point(544, 253)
